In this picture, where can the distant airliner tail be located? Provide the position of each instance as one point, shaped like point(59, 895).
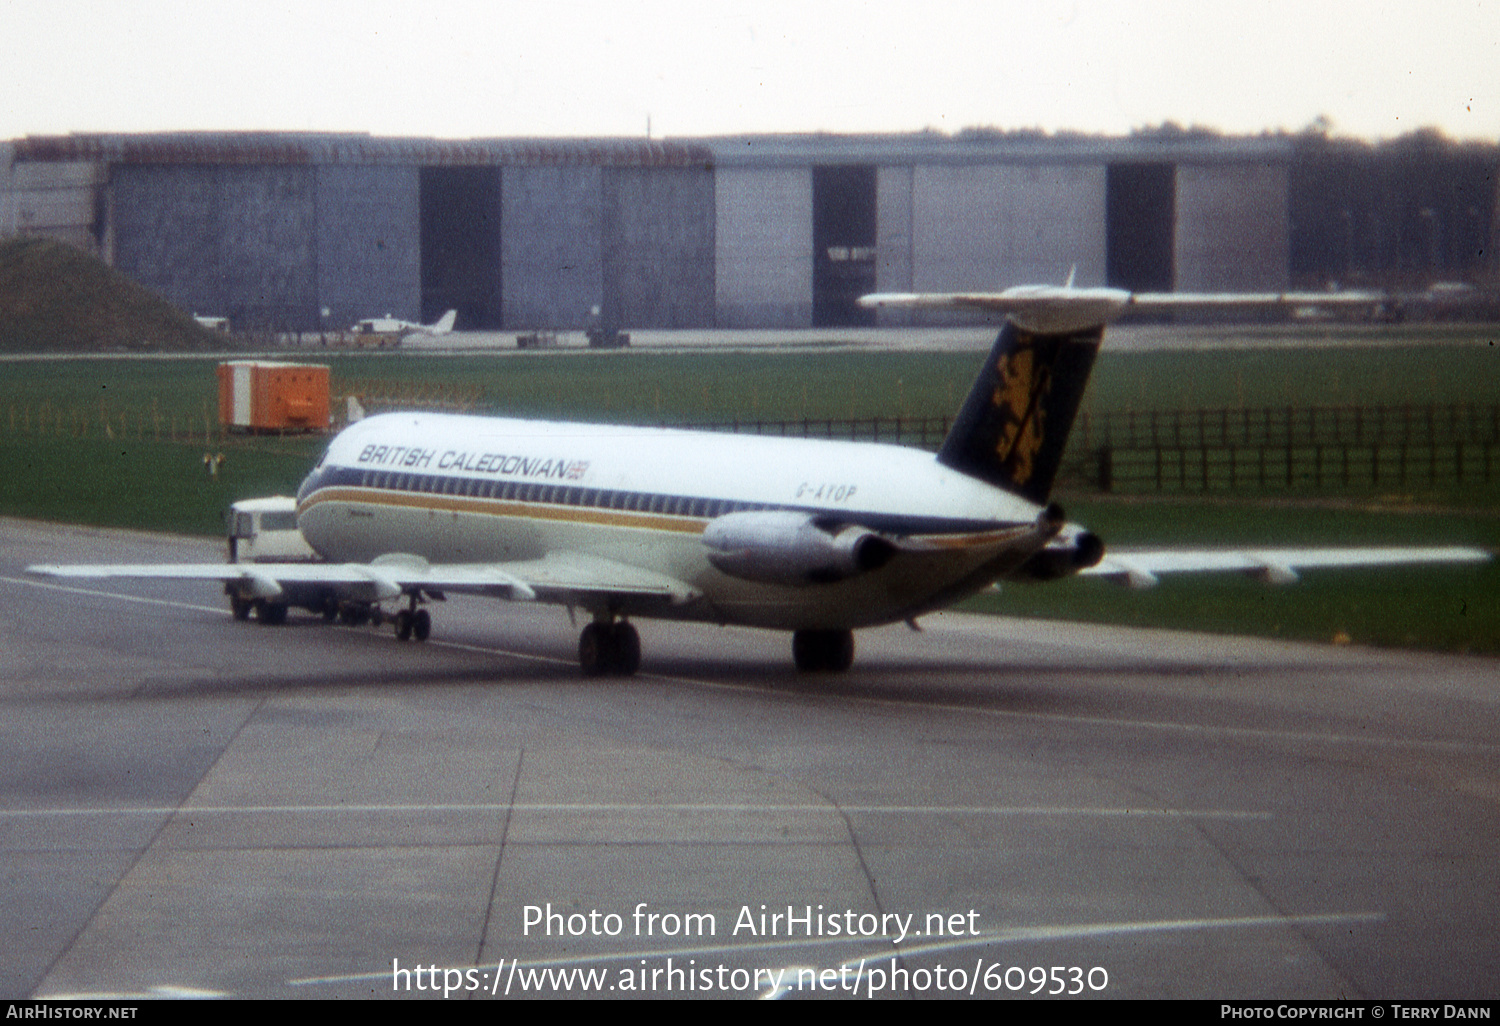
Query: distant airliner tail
point(1013, 428)
point(445, 323)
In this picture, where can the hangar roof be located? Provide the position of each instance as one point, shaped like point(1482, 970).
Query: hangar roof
point(354, 148)
point(972, 146)
point(982, 147)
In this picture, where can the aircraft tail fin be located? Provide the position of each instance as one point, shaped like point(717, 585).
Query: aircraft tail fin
point(445, 323)
point(1013, 427)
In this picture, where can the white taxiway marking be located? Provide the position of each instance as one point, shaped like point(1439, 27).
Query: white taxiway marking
point(48, 586)
point(892, 810)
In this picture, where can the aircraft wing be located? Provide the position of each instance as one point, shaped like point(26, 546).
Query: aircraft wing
point(1064, 309)
point(1142, 568)
point(563, 577)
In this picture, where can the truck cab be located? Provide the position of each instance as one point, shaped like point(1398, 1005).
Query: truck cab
point(265, 531)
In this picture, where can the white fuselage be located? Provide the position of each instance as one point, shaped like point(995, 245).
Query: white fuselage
point(481, 490)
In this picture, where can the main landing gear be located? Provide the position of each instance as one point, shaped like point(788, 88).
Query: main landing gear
point(823, 651)
point(609, 648)
point(413, 623)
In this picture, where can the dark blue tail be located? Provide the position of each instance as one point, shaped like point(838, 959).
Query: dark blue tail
point(1013, 427)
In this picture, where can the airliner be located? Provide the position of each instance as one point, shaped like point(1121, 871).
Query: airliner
point(814, 537)
point(389, 325)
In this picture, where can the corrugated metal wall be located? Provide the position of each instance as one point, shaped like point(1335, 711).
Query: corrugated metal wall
point(893, 229)
point(1231, 231)
point(168, 233)
point(658, 247)
point(368, 258)
point(763, 245)
point(270, 246)
point(7, 190)
point(61, 200)
point(993, 226)
point(551, 254)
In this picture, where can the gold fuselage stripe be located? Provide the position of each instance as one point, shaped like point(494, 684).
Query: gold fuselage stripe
point(595, 516)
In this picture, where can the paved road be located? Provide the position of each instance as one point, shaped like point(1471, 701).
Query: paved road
point(192, 805)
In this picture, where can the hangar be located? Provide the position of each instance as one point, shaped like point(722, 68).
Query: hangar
point(296, 231)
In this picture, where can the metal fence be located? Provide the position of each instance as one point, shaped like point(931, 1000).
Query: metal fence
point(1289, 449)
point(1263, 449)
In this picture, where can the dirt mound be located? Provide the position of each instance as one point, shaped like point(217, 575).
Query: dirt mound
point(54, 298)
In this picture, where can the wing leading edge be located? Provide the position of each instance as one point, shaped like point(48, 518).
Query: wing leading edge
point(1142, 568)
point(562, 577)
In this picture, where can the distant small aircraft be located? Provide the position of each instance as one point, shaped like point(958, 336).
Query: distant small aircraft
point(389, 325)
point(808, 536)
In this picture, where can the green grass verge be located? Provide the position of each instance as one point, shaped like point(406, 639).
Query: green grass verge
point(1451, 608)
point(147, 485)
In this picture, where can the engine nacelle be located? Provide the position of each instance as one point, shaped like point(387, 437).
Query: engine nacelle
point(1062, 558)
point(793, 548)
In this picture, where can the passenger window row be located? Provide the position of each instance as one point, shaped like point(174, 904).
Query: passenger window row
point(554, 494)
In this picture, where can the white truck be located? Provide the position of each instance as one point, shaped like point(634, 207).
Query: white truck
point(265, 531)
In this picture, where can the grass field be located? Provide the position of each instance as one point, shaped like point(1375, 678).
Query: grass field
point(121, 443)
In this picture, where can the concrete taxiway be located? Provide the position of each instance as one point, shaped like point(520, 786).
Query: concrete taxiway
point(195, 806)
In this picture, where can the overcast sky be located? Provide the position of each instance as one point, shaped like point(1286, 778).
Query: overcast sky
point(473, 68)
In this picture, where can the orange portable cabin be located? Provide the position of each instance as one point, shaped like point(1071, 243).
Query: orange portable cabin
point(257, 395)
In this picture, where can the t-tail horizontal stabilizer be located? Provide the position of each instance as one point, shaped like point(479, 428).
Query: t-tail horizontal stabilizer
point(1014, 426)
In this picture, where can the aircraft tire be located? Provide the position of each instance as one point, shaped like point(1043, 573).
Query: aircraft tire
point(421, 624)
point(240, 607)
point(271, 613)
point(823, 651)
point(609, 650)
point(593, 650)
point(627, 646)
point(403, 626)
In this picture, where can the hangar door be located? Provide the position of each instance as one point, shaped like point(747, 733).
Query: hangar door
point(843, 243)
point(460, 216)
point(1141, 211)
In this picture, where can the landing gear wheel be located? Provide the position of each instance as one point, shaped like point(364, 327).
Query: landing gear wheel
point(612, 649)
point(823, 651)
point(271, 613)
point(421, 624)
point(403, 626)
point(240, 607)
point(593, 650)
point(627, 650)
